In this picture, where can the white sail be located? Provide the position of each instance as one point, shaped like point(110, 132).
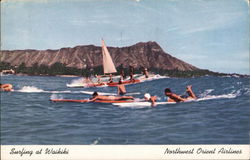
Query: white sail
point(108, 64)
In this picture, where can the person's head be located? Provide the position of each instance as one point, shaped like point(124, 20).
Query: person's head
point(147, 96)
point(168, 91)
point(95, 94)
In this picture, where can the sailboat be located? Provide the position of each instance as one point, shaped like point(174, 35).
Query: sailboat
point(108, 68)
point(108, 64)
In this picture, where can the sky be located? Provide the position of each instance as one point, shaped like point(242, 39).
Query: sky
point(209, 34)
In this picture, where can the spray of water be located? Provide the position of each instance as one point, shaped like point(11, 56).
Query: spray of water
point(29, 89)
point(55, 96)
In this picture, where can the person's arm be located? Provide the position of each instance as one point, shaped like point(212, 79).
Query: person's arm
point(190, 92)
point(153, 104)
point(92, 99)
point(178, 97)
point(118, 90)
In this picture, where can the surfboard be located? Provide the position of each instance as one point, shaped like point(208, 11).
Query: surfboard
point(97, 101)
point(139, 104)
point(106, 93)
point(69, 100)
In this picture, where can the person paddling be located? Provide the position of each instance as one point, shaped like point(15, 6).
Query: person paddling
point(172, 97)
point(96, 96)
point(151, 99)
point(121, 88)
point(6, 87)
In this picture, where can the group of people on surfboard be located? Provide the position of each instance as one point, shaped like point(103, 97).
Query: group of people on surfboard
point(171, 97)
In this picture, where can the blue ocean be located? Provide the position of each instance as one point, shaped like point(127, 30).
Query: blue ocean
point(220, 116)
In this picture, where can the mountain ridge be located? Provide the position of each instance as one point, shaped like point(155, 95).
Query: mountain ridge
point(142, 54)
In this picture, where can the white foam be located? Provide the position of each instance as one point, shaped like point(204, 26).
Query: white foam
point(30, 89)
point(209, 97)
point(55, 96)
point(96, 141)
point(151, 77)
point(80, 82)
point(206, 92)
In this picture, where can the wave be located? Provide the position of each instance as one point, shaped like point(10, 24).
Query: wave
point(30, 89)
point(33, 89)
point(56, 96)
point(206, 96)
point(209, 97)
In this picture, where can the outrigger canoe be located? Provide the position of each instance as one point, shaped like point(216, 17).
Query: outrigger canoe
point(113, 84)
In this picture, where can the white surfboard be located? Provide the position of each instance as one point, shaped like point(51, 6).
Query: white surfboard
point(140, 104)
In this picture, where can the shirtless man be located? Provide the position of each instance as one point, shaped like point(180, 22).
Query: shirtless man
point(176, 98)
point(121, 88)
point(95, 97)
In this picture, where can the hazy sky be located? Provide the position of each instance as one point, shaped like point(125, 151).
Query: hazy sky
point(210, 34)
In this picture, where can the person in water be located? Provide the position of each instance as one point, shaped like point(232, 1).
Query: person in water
point(96, 96)
point(172, 97)
point(6, 87)
point(121, 88)
point(151, 99)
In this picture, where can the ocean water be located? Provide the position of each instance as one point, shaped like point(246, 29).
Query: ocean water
point(220, 116)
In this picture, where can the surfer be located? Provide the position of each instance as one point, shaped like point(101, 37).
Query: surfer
point(131, 73)
point(95, 97)
point(145, 72)
point(6, 87)
point(121, 88)
point(176, 98)
point(151, 99)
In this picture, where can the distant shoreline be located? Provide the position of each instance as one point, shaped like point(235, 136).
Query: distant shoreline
point(177, 76)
